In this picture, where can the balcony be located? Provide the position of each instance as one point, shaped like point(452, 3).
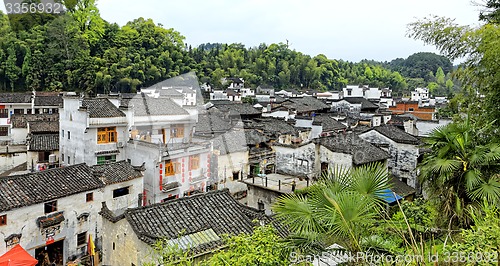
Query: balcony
point(167, 187)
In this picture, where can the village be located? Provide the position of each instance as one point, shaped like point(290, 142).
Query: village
point(186, 162)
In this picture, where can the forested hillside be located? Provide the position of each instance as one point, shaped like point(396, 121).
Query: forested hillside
point(80, 51)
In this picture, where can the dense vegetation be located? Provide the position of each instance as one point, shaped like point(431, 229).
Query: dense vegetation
point(80, 51)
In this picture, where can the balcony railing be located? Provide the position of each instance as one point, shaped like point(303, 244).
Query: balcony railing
point(170, 186)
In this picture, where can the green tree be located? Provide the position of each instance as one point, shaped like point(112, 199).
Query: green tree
point(262, 247)
point(461, 169)
point(440, 77)
point(340, 209)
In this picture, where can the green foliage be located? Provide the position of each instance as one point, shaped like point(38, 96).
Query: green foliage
point(169, 255)
point(461, 169)
point(482, 240)
point(262, 247)
point(421, 215)
point(340, 209)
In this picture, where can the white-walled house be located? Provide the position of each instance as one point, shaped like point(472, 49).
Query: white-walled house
point(161, 135)
point(403, 148)
point(10, 104)
point(92, 131)
point(420, 94)
point(56, 211)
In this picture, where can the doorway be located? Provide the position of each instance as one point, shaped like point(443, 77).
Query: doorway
point(52, 253)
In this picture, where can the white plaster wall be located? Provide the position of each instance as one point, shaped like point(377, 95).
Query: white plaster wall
point(11, 160)
point(23, 221)
point(126, 201)
point(296, 161)
point(334, 159)
point(19, 135)
point(229, 163)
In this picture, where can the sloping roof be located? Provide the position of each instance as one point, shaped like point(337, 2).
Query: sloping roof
point(20, 120)
point(272, 126)
point(297, 106)
point(216, 210)
point(55, 100)
point(231, 142)
point(101, 108)
point(328, 123)
point(170, 92)
point(28, 189)
point(15, 97)
point(211, 123)
point(237, 109)
point(365, 104)
point(145, 105)
point(116, 172)
point(44, 127)
point(397, 134)
point(311, 102)
point(43, 142)
point(400, 187)
point(254, 137)
point(362, 151)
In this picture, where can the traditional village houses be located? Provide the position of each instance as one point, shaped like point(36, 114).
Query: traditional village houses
point(161, 134)
point(56, 211)
point(403, 148)
point(420, 94)
point(198, 222)
point(413, 107)
point(92, 131)
point(10, 104)
point(43, 145)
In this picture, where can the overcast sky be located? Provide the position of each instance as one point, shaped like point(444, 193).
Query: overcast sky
point(348, 30)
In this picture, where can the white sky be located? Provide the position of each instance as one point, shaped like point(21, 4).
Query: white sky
point(348, 30)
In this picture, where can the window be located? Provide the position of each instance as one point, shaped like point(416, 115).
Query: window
point(194, 162)
point(81, 239)
point(69, 161)
point(69, 135)
point(4, 113)
point(50, 206)
point(120, 192)
point(106, 135)
point(177, 131)
point(410, 109)
point(349, 92)
point(3, 219)
point(89, 197)
point(106, 159)
point(62, 157)
point(169, 169)
point(4, 131)
point(18, 111)
point(62, 133)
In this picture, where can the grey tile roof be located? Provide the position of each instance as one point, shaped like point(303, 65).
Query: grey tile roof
point(400, 187)
point(145, 105)
point(230, 142)
point(311, 102)
point(171, 93)
point(211, 123)
point(272, 126)
point(365, 104)
point(44, 127)
point(362, 151)
point(116, 172)
point(254, 137)
point(397, 134)
point(15, 97)
point(216, 210)
point(21, 121)
point(328, 123)
point(238, 109)
point(33, 188)
point(101, 108)
point(43, 142)
point(49, 101)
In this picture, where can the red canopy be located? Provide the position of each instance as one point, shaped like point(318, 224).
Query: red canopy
point(17, 256)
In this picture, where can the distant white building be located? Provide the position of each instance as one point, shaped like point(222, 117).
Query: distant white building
point(420, 94)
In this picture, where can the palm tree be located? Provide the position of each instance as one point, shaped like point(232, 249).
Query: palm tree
point(339, 209)
point(460, 169)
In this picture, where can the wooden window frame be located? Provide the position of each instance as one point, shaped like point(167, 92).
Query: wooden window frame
point(89, 197)
point(3, 220)
point(5, 131)
point(169, 169)
point(177, 131)
point(4, 113)
point(50, 206)
point(106, 135)
point(194, 162)
point(81, 239)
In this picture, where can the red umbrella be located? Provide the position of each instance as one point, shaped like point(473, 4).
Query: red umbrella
point(17, 256)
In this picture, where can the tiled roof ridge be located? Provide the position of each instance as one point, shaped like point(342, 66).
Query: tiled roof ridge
point(45, 171)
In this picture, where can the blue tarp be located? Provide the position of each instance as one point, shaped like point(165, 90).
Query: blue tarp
point(389, 196)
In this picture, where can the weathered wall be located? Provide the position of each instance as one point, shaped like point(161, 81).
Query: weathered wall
point(264, 195)
point(296, 161)
point(11, 160)
point(23, 221)
point(229, 163)
point(334, 159)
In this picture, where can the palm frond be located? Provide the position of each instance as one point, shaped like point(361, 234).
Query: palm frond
point(297, 212)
